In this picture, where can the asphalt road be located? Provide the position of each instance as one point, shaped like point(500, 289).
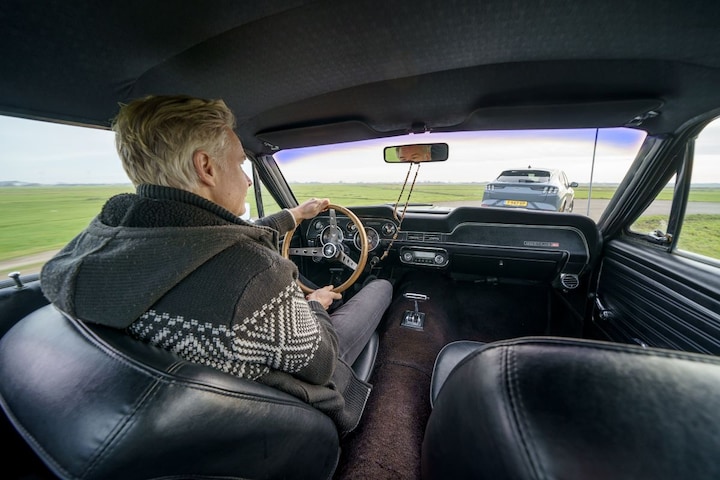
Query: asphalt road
point(597, 207)
point(13, 263)
point(658, 207)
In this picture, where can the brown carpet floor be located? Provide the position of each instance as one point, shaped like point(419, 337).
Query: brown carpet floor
point(387, 443)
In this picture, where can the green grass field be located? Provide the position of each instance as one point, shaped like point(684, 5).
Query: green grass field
point(38, 219)
point(700, 233)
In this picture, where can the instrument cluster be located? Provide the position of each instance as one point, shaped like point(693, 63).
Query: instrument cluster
point(320, 232)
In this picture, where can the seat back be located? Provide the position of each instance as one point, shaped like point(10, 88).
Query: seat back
point(95, 404)
point(17, 302)
point(559, 408)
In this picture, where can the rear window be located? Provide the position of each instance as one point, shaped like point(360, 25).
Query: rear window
point(524, 176)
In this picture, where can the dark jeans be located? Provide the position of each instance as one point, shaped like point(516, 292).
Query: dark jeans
point(356, 320)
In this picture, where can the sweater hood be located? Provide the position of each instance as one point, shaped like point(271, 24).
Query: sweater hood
point(111, 275)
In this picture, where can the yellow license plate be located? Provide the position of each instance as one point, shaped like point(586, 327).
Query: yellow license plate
point(516, 203)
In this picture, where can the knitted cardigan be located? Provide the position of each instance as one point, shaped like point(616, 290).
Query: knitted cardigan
point(182, 273)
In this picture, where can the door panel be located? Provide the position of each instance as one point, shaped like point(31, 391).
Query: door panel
point(652, 297)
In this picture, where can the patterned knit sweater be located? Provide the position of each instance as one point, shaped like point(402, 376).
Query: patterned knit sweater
point(180, 272)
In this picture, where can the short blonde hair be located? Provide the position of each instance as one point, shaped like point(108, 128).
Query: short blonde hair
point(157, 136)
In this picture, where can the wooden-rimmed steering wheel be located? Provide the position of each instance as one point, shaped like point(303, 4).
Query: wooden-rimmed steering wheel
point(333, 249)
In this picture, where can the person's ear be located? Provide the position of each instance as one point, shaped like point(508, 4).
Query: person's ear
point(204, 168)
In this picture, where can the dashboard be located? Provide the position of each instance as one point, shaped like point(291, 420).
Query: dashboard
point(486, 242)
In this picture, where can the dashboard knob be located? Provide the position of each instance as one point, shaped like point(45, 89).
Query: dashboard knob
point(407, 256)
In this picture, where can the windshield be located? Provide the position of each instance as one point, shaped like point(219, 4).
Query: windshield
point(355, 174)
point(55, 178)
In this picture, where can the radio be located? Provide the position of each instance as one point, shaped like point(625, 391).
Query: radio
point(433, 257)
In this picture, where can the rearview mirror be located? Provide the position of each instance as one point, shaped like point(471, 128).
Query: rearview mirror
point(426, 152)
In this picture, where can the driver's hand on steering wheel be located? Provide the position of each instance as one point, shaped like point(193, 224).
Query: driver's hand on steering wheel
point(309, 209)
point(325, 296)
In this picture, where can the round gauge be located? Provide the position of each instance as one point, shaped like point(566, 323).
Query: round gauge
point(327, 235)
point(388, 229)
point(373, 239)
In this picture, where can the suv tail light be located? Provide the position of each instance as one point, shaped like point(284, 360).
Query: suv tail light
point(548, 190)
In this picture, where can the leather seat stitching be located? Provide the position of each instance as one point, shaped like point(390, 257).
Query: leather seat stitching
point(515, 405)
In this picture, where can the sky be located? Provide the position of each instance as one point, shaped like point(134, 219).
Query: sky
point(42, 152)
point(481, 156)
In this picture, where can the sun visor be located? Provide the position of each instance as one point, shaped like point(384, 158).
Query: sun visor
point(616, 113)
point(340, 132)
point(593, 114)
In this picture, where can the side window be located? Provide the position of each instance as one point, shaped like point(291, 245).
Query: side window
point(654, 220)
point(700, 233)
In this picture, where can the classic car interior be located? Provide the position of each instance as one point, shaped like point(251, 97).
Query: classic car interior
point(519, 343)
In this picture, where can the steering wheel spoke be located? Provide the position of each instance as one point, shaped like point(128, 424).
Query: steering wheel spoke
point(333, 250)
point(316, 252)
point(333, 224)
point(347, 261)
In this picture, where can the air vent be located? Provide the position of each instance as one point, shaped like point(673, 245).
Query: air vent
point(414, 237)
point(569, 280)
point(433, 237)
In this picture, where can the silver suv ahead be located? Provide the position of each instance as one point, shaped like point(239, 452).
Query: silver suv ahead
point(531, 188)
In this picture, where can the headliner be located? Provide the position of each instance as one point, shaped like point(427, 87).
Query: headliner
point(307, 72)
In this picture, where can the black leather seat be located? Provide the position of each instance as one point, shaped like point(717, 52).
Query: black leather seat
point(95, 404)
point(555, 408)
point(447, 359)
point(16, 303)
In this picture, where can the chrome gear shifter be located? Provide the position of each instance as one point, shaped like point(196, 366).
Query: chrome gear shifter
point(414, 318)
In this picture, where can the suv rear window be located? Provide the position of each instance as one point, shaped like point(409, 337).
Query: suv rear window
point(524, 176)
